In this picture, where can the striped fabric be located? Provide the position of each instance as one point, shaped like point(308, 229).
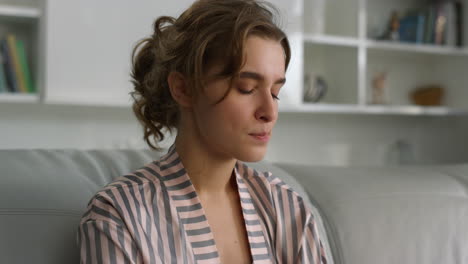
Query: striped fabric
point(155, 216)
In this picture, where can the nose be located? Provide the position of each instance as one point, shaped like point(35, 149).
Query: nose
point(267, 110)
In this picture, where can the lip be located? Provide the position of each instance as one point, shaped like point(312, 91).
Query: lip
point(262, 136)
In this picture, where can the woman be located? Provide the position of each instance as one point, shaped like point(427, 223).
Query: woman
point(214, 74)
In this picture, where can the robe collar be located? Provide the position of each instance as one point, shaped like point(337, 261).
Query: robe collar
point(192, 217)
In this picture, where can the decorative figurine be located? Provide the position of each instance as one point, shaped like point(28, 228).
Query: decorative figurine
point(394, 35)
point(315, 88)
point(378, 88)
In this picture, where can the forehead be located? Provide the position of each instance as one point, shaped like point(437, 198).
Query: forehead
point(260, 55)
point(264, 56)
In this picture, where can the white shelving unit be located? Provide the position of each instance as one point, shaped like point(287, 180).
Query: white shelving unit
point(419, 48)
point(18, 98)
point(22, 19)
point(335, 39)
point(338, 47)
point(19, 12)
point(331, 40)
point(373, 109)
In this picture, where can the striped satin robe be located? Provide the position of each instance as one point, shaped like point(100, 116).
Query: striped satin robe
point(154, 216)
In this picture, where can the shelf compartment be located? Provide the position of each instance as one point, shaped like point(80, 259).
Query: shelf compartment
point(379, 13)
point(409, 71)
point(19, 14)
point(337, 66)
point(331, 17)
point(25, 23)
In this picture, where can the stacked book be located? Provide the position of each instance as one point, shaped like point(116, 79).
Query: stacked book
point(15, 75)
point(440, 23)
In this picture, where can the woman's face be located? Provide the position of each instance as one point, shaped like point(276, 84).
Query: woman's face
point(240, 126)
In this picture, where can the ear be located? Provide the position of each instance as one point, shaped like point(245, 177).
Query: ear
point(179, 89)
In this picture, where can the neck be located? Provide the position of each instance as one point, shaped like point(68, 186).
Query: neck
point(210, 173)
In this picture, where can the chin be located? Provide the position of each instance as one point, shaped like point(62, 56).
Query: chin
point(252, 155)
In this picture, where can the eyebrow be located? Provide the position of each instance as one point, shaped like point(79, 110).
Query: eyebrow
point(258, 77)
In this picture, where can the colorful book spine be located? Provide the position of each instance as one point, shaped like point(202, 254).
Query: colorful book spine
point(411, 28)
point(430, 22)
point(450, 33)
point(25, 66)
point(420, 28)
point(3, 83)
point(11, 40)
point(9, 74)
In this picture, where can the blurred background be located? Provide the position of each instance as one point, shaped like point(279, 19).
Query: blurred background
point(371, 83)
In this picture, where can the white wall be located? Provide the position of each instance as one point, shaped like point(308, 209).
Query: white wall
point(369, 139)
point(327, 139)
point(321, 139)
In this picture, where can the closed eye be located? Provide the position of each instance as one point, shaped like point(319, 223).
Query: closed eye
point(251, 91)
point(245, 91)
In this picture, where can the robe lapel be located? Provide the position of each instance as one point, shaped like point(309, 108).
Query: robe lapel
point(191, 216)
point(255, 229)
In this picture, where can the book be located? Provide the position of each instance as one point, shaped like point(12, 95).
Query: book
point(429, 29)
point(3, 84)
point(412, 28)
point(18, 72)
point(10, 76)
point(420, 28)
point(25, 66)
point(450, 32)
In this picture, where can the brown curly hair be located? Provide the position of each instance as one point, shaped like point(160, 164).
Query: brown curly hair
point(208, 32)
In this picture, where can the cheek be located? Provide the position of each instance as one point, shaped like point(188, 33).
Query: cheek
point(228, 118)
point(214, 119)
point(234, 114)
point(237, 112)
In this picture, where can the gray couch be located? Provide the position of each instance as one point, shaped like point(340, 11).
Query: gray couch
point(400, 215)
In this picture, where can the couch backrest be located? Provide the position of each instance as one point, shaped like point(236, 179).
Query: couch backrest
point(404, 215)
point(399, 215)
point(43, 194)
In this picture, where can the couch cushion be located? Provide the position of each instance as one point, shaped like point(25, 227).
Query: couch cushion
point(43, 194)
point(399, 215)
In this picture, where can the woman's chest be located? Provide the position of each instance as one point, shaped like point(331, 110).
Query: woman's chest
point(227, 225)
